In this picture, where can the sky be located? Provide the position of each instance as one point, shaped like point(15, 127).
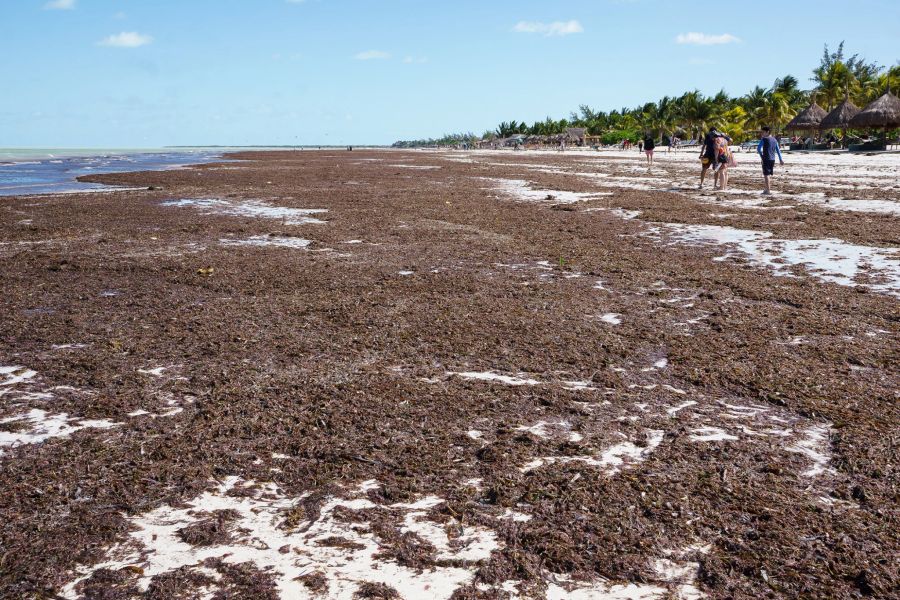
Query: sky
point(151, 73)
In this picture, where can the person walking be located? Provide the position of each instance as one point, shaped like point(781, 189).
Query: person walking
point(649, 145)
point(724, 161)
point(768, 149)
point(708, 153)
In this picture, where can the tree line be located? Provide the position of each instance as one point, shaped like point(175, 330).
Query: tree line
point(688, 115)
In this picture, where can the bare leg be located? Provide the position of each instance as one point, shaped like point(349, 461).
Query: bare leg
point(723, 177)
point(767, 189)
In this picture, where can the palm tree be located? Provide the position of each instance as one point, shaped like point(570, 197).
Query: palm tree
point(833, 81)
point(775, 112)
point(696, 113)
point(755, 100)
point(690, 109)
point(789, 87)
point(889, 80)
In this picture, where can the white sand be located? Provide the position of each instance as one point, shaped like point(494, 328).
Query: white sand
point(269, 240)
point(251, 208)
point(260, 538)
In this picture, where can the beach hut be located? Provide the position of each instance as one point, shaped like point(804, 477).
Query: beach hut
point(840, 117)
point(808, 119)
point(575, 135)
point(884, 112)
point(594, 141)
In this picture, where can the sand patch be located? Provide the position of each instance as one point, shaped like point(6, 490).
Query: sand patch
point(261, 533)
point(830, 260)
point(250, 208)
point(269, 240)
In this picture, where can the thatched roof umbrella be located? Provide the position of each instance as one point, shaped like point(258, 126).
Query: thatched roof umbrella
point(840, 117)
point(884, 112)
point(575, 134)
point(808, 119)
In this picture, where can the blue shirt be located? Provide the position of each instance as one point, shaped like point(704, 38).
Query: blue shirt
point(768, 147)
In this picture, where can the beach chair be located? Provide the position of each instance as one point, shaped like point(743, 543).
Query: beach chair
point(871, 146)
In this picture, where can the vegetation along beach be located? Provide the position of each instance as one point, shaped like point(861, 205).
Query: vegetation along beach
point(540, 362)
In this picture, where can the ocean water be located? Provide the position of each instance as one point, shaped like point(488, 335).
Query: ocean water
point(48, 171)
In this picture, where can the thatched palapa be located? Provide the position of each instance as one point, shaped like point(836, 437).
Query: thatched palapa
point(575, 134)
point(884, 112)
point(840, 117)
point(809, 118)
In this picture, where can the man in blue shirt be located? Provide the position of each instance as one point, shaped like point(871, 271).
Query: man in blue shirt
point(768, 149)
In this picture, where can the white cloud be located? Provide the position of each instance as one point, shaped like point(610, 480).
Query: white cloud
point(549, 29)
point(415, 60)
point(60, 5)
point(705, 39)
point(127, 39)
point(372, 55)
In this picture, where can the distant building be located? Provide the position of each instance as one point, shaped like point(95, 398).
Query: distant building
point(575, 135)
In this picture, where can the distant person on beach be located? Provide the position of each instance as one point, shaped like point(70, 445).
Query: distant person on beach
point(768, 149)
point(649, 146)
point(640, 145)
point(708, 154)
point(673, 144)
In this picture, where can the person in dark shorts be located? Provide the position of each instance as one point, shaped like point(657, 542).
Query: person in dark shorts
point(649, 146)
point(708, 154)
point(768, 149)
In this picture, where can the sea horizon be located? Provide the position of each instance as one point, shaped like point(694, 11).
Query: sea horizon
point(19, 154)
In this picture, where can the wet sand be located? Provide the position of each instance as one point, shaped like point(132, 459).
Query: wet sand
point(443, 374)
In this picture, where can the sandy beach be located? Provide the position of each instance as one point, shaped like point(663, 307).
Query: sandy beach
point(447, 374)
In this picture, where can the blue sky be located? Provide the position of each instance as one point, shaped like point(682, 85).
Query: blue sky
point(142, 73)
